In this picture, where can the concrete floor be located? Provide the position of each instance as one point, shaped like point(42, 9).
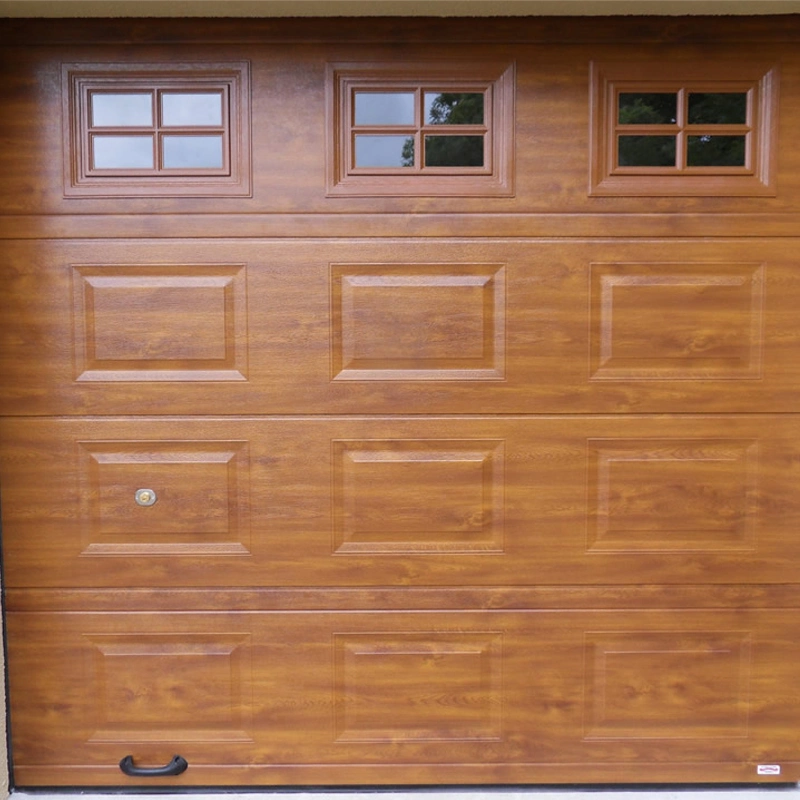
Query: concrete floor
point(767, 792)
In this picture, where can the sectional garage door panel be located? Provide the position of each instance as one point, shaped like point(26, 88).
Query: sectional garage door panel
point(377, 414)
point(440, 326)
point(386, 502)
point(492, 692)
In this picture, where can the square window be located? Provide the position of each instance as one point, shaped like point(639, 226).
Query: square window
point(705, 129)
point(426, 129)
point(156, 130)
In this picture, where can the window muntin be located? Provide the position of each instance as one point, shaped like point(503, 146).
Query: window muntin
point(420, 129)
point(683, 129)
point(156, 131)
point(177, 129)
point(686, 128)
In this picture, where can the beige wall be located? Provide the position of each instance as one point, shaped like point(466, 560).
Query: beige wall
point(244, 8)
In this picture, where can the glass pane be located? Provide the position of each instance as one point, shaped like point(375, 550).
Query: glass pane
point(384, 151)
point(191, 109)
point(718, 108)
point(385, 108)
point(121, 110)
point(646, 151)
point(454, 108)
point(716, 151)
point(648, 108)
point(454, 151)
point(192, 152)
point(122, 152)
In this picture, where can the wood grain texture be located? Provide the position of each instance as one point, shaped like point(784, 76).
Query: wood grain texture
point(449, 489)
point(569, 331)
point(357, 502)
point(499, 694)
point(551, 135)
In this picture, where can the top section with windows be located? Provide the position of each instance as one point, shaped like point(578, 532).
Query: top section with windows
point(677, 129)
point(420, 129)
point(157, 129)
point(423, 128)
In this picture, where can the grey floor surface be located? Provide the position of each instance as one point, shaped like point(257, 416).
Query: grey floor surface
point(770, 792)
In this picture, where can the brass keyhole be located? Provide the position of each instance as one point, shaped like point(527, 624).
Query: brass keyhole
point(145, 497)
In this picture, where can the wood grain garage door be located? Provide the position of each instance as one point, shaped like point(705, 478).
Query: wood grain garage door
point(401, 402)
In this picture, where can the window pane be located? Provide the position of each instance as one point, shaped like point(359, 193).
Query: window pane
point(454, 151)
point(122, 152)
point(716, 151)
point(454, 108)
point(384, 151)
point(121, 110)
point(718, 108)
point(648, 108)
point(646, 151)
point(191, 108)
point(385, 108)
point(192, 152)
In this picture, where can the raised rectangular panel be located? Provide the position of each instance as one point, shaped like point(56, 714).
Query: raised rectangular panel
point(418, 496)
point(405, 687)
point(664, 321)
point(667, 685)
point(152, 687)
point(160, 323)
point(672, 495)
point(418, 322)
point(201, 492)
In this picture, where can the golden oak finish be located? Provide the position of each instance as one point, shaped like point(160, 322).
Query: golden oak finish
point(500, 694)
point(360, 502)
point(551, 147)
point(400, 326)
point(319, 488)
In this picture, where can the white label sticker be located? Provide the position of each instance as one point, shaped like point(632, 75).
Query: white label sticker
point(769, 769)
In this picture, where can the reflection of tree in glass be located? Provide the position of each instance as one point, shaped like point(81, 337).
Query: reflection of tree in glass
point(717, 108)
point(407, 156)
point(456, 108)
point(703, 150)
point(716, 151)
point(655, 108)
point(646, 151)
point(451, 108)
point(454, 151)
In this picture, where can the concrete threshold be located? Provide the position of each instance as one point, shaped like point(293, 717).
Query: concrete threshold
point(765, 792)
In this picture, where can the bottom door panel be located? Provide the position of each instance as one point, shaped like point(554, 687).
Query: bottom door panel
point(406, 697)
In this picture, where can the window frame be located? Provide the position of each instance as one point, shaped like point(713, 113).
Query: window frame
point(417, 130)
point(494, 80)
point(755, 178)
point(82, 178)
point(158, 130)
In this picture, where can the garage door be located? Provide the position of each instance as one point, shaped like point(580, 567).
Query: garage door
point(401, 402)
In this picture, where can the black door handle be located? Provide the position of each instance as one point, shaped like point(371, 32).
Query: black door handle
point(175, 767)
